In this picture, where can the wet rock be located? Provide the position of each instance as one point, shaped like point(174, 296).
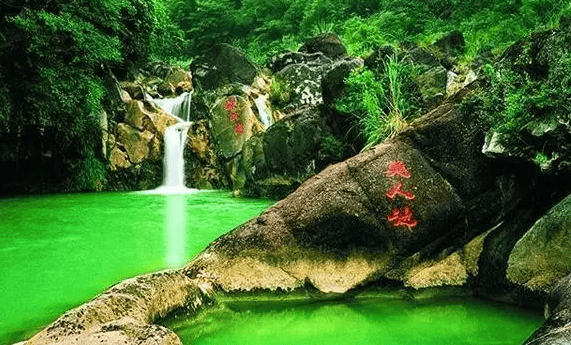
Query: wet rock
point(177, 82)
point(124, 313)
point(144, 115)
point(223, 64)
point(543, 255)
point(202, 168)
point(135, 90)
point(136, 148)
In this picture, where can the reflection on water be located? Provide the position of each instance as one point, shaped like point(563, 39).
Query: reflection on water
point(366, 321)
point(175, 228)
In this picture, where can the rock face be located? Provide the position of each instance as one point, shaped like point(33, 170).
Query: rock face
point(136, 147)
point(557, 328)
point(223, 64)
point(407, 210)
point(124, 313)
point(543, 255)
point(277, 161)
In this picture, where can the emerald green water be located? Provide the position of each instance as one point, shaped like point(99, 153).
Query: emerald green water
point(365, 321)
point(59, 251)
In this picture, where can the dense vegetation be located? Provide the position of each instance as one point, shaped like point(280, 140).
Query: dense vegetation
point(55, 69)
point(58, 59)
point(263, 28)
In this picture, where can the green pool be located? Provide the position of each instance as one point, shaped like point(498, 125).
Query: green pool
point(58, 251)
point(360, 321)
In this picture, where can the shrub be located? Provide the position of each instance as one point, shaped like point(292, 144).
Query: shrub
point(378, 103)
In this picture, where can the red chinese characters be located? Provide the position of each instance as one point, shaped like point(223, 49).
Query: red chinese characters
point(239, 128)
point(398, 216)
point(404, 218)
point(397, 190)
point(398, 168)
point(231, 106)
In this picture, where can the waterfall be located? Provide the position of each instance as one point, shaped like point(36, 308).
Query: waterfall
point(264, 117)
point(175, 141)
point(178, 106)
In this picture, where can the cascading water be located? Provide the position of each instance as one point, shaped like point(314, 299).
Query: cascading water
point(175, 140)
point(264, 117)
point(178, 107)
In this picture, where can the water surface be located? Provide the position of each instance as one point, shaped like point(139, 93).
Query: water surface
point(367, 321)
point(59, 251)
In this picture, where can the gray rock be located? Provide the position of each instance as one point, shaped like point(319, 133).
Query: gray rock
point(557, 328)
point(543, 255)
point(328, 44)
point(223, 64)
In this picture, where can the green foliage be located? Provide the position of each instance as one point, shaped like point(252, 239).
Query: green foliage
point(90, 175)
point(280, 91)
point(55, 66)
point(527, 103)
point(379, 103)
point(332, 146)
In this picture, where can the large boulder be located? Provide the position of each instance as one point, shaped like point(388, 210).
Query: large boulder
point(543, 255)
point(223, 64)
point(293, 149)
point(233, 122)
point(201, 167)
point(311, 76)
point(328, 44)
point(411, 209)
point(277, 161)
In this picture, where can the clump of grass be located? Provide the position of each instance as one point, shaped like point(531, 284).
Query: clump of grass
point(378, 103)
